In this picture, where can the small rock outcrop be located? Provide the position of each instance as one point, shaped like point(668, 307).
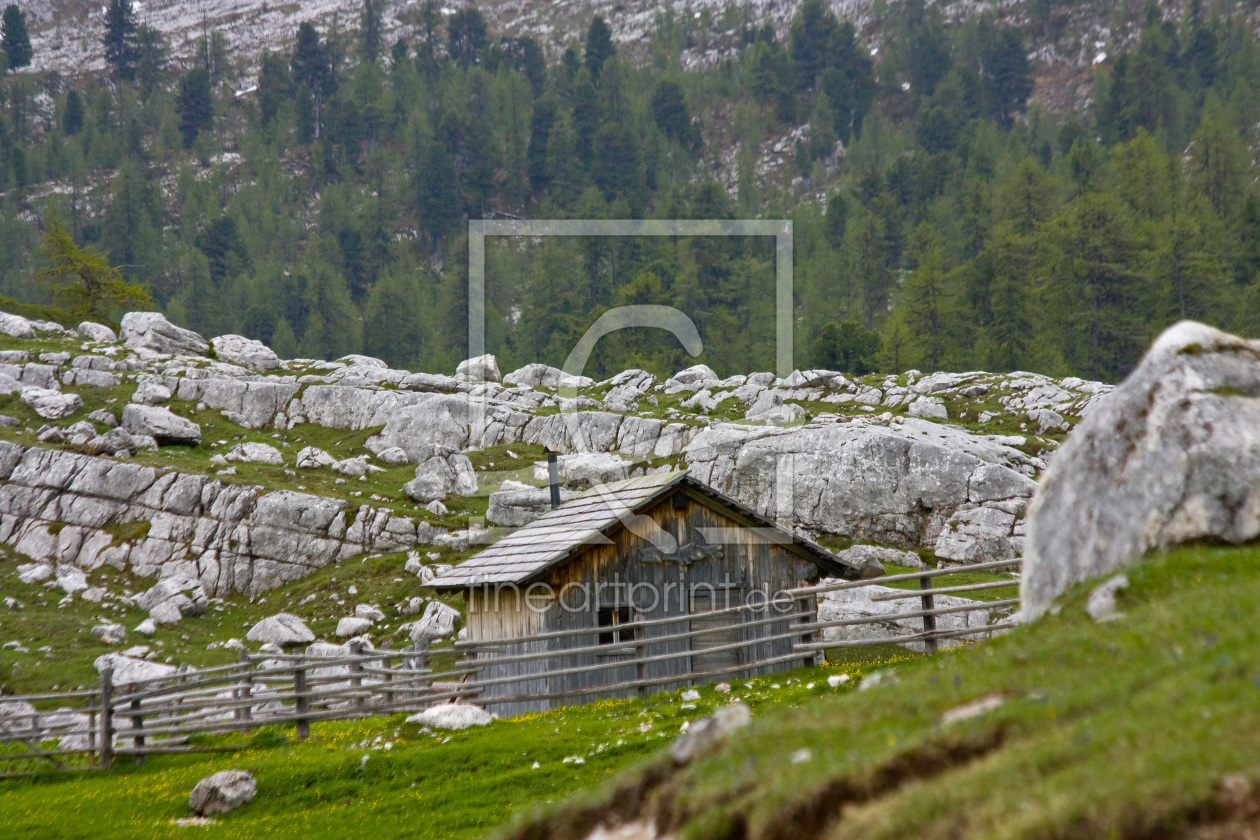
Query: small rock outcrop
point(246, 352)
point(709, 730)
point(152, 332)
point(281, 629)
point(441, 470)
point(161, 424)
point(222, 792)
point(452, 716)
point(1172, 454)
point(516, 503)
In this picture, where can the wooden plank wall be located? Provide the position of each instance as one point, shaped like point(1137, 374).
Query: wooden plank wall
point(750, 563)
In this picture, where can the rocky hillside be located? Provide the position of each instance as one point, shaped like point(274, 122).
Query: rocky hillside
point(224, 471)
point(1068, 39)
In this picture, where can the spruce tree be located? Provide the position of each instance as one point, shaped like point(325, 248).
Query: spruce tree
point(14, 39)
point(72, 115)
point(312, 67)
point(121, 52)
point(599, 47)
point(370, 34)
point(466, 36)
point(438, 197)
point(195, 105)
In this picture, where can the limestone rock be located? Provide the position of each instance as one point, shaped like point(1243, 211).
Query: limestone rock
point(928, 407)
point(434, 383)
point(393, 455)
point(50, 404)
point(150, 331)
point(871, 558)
point(311, 458)
point(281, 629)
point(105, 418)
point(352, 626)
point(128, 669)
point(246, 352)
point(1171, 455)
point(452, 716)
point(172, 598)
point(438, 622)
point(709, 730)
point(161, 424)
point(696, 374)
point(34, 572)
point(16, 326)
point(257, 453)
point(480, 369)
point(585, 469)
point(222, 792)
point(891, 484)
point(441, 470)
point(99, 333)
point(110, 634)
point(984, 534)
point(151, 393)
point(369, 612)
point(545, 376)
point(515, 503)
point(71, 579)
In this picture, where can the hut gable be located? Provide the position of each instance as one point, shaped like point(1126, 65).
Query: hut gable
point(600, 515)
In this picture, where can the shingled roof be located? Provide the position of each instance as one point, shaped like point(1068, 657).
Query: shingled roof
point(587, 520)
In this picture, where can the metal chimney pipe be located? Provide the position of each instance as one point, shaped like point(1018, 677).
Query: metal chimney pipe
point(553, 474)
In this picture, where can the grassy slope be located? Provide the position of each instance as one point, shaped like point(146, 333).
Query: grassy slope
point(427, 785)
point(1120, 729)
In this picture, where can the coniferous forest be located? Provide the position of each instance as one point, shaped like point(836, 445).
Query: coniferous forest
point(943, 217)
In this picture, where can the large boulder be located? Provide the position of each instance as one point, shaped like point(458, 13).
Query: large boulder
point(16, 326)
point(585, 469)
point(281, 629)
point(536, 375)
point(441, 470)
point(160, 424)
point(171, 599)
point(515, 503)
point(152, 332)
point(1172, 454)
point(479, 369)
point(50, 404)
point(99, 333)
point(246, 352)
point(222, 792)
point(452, 716)
point(252, 452)
point(896, 484)
point(129, 669)
point(438, 622)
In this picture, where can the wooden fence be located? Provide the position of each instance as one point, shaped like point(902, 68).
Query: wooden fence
point(159, 715)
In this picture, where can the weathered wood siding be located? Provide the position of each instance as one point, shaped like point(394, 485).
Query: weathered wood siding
point(604, 576)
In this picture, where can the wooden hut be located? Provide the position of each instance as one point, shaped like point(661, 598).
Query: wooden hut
point(633, 587)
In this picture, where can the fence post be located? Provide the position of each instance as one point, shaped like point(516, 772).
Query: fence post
point(106, 735)
point(640, 667)
point(356, 672)
point(387, 663)
point(246, 691)
point(137, 726)
point(91, 737)
point(422, 662)
point(929, 621)
point(302, 703)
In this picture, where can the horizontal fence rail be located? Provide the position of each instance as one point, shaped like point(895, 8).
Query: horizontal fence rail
point(158, 715)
